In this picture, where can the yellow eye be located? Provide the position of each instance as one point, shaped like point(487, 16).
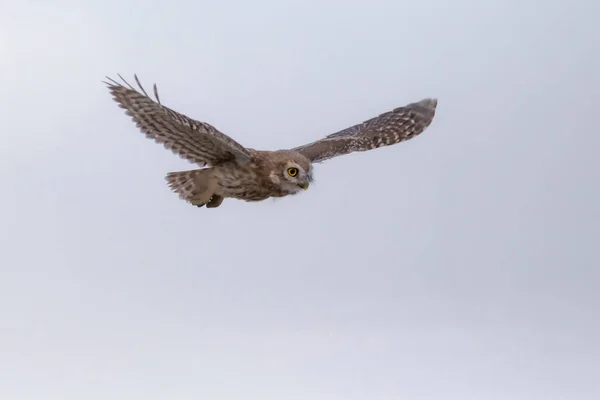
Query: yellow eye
point(292, 172)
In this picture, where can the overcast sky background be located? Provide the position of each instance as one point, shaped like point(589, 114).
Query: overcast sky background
point(463, 264)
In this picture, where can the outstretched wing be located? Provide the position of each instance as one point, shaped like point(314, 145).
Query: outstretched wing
point(392, 127)
point(192, 140)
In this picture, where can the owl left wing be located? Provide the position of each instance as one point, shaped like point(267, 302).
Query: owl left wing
point(195, 141)
point(392, 127)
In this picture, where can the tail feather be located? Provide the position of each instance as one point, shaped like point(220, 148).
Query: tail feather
point(197, 187)
point(183, 183)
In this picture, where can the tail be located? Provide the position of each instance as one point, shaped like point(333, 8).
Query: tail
point(196, 186)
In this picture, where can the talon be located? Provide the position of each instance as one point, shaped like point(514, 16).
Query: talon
point(197, 204)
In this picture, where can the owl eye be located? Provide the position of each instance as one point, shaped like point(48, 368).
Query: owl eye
point(292, 172)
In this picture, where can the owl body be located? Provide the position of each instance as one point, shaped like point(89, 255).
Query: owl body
point(230, 170)
point(265, 175)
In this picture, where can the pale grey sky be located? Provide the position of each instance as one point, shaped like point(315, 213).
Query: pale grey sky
point(471, 270)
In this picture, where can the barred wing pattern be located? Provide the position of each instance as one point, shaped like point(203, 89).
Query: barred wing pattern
point(195, 141)
point(392, 127)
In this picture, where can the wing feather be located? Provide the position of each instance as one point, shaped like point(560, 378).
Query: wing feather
point(195, 141)
point(392, 127)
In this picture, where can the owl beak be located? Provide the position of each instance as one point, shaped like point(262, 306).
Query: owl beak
point(303, 185)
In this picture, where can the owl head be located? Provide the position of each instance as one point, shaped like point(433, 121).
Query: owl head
point(292, 172)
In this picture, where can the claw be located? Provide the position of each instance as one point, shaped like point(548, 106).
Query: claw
point(197, 204)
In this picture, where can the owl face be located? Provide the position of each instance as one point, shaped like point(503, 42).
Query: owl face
point(296, 177)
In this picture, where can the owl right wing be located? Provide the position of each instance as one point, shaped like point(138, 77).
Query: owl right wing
point(195, 141)
point(392, 127)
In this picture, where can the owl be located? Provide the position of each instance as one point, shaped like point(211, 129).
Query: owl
point(230, 170)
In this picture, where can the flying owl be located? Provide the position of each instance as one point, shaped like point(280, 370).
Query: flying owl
point(231, 170)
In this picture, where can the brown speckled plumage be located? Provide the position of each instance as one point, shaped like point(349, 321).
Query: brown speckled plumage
point(235, 171)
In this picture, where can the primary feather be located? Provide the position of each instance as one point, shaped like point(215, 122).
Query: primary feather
point(390, 128)
point(195, 141)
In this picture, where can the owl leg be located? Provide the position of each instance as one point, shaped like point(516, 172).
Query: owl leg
point(200, 201)
point(213, 202)
point(204, 190)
